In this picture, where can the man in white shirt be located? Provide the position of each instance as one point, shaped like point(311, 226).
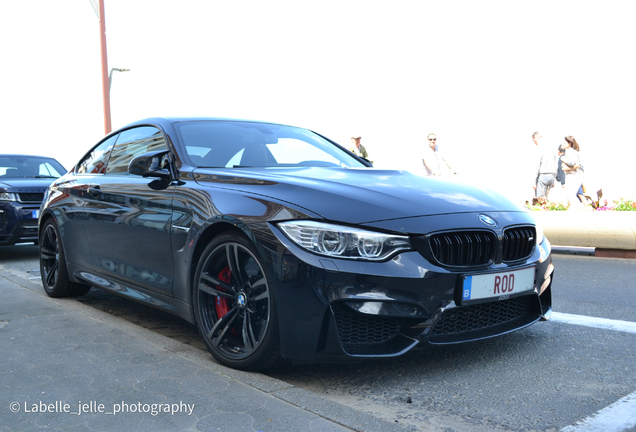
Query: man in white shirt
point(434, 163)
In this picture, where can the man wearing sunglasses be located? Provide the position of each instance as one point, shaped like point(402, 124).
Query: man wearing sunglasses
point(434, 163)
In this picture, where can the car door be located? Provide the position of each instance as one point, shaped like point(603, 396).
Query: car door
point(69, 195)
point(128, 217)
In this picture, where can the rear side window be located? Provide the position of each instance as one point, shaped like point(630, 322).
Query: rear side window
point(134, 142)
point(95, 161)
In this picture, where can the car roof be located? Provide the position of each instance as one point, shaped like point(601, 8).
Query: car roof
point(177, 119)
point(25, 156)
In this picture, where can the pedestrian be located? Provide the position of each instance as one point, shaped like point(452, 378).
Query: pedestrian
point(560, 177)
point(545, 169)
point(434, 163)
point(557, 192)
point(573, 168)
point(358, 148)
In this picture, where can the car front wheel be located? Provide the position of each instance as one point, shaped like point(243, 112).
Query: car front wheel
point(234, 306)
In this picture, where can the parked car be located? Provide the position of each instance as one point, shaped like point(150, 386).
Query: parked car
point(23, 181)
point(280, 244)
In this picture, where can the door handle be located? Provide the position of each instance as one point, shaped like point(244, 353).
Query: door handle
point(94, 190)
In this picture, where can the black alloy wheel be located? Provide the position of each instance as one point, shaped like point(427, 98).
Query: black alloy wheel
point(53, 271)
point(234, 306)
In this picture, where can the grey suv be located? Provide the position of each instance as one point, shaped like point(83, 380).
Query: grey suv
point(23, 181)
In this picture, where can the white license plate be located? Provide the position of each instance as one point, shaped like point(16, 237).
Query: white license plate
point(498, 285)
point(35, 214)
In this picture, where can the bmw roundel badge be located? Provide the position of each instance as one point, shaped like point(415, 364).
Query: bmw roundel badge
point(242, 300)
point(488, 220)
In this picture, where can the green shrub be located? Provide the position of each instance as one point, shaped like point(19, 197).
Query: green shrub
point(625, 205)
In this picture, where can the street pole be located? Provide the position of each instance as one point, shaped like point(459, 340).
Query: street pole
point(110, 76)
point(105, 80)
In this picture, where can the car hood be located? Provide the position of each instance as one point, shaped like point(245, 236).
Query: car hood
point(25, 183)
point(358, 195)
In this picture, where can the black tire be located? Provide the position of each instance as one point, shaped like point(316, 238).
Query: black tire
point(234, 306)
point(53, 269)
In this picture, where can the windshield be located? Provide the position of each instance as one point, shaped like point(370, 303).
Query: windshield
point(227, 144)
point(29, 167)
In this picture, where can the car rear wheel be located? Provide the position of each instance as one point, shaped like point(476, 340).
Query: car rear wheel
point(234, 306)
point(53, 270)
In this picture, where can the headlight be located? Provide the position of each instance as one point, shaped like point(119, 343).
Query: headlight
point(344, 242)
point(6, 196)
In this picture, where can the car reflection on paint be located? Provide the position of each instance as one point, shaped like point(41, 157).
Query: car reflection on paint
point(280, 244)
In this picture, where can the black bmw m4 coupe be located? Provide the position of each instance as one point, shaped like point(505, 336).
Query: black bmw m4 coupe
point(280, 244)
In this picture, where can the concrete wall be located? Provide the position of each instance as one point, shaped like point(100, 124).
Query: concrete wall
point(599, 229)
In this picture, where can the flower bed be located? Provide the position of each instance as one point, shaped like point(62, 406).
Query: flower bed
point(621, 204)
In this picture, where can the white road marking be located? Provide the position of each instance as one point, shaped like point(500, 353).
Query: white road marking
point(602, 323)
point(619, 416)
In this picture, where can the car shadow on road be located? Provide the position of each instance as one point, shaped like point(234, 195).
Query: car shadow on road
point(150, 318)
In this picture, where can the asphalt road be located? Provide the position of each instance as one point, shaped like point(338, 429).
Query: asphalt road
point(542, 378)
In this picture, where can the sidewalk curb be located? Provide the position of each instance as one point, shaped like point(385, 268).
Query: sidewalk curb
point(573, 250)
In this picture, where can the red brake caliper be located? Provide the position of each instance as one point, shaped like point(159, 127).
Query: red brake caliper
point(222, 306)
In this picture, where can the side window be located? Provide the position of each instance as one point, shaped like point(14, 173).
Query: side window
point(134, 142)
point(95, 161)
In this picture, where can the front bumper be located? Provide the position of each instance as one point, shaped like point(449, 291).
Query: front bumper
point(335, 308)
point(18, 223)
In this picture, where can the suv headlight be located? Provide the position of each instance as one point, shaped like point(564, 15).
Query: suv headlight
point(7, 196)
point(344, 242)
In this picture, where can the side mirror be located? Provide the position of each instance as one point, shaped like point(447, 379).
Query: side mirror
point(150, 165)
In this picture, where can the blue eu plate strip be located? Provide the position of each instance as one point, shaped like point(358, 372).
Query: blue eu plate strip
point(468, 283)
